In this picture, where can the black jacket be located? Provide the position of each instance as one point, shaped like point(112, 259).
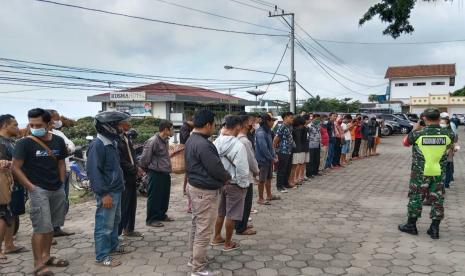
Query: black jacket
point(184, 133)
point(129, 169)
point(203, 164)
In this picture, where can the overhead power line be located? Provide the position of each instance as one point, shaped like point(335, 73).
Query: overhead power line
point(277, 68)
point(327, 72)
point(219, 16)
point(389, 43)
point(249, 5)
point(160, 21)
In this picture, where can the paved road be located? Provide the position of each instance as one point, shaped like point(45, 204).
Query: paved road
point(344, 223)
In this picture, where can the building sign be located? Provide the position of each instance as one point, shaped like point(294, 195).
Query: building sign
point(136, 109)
point(127, 96)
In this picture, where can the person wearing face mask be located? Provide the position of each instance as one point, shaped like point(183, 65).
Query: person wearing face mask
point(357, 125)
point(365, 131)
point(233, 155)
point(55, 129)
point(449, 164)
point(107, 183)
point(241, 226)
point(39, 165)
point(324, 142)
point(131, 172)
point(155, 160)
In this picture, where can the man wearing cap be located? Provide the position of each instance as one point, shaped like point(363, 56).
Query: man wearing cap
point(430, 145)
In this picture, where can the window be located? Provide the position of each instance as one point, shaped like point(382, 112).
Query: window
point(401, 84)
point(438, 83)
point(452, 81)
point(419, 83)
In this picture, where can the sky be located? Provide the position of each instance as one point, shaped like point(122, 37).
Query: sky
point(41, 32)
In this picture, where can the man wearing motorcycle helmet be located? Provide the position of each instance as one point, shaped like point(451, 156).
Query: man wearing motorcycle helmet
point(107, 183)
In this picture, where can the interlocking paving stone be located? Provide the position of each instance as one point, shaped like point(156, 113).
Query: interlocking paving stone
point(344, 223)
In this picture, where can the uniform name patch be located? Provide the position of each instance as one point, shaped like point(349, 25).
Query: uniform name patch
point(434, 141)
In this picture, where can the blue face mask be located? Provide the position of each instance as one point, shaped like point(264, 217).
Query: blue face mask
point(38, 132)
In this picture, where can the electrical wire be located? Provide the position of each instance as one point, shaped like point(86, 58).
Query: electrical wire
point(327, 72)
point(277, 68)
point(159, 21)
point(389, 43)
point(219, 16)
point(338, 60)
point(249, 5)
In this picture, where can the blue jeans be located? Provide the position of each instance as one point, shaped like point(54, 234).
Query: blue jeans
point(106, 226)
point(329, 160)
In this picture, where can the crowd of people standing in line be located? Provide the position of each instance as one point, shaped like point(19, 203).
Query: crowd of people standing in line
point(219, 182)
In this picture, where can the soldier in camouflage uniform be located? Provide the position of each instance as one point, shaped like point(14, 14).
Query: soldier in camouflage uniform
point(430, 144)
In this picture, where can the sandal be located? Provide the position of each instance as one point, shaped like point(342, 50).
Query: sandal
point(134, 234)
point(121, 250)
point(234, 246)
point(108, 262)
point(4, 260)
point(263, 202)
point(274, 197)
point(213, 243)
point(248, 232)
point(17, 250)
point(40, 271)
point(56, 262)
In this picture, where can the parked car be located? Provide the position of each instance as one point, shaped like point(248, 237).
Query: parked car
point(412, 117)
point(395, 125)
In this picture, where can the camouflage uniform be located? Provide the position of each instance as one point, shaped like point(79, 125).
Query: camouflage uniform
point(426, 179)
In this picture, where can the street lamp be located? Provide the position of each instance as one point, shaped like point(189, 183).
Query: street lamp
point(292, 100)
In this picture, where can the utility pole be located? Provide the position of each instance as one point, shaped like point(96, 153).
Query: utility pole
point(292, 87)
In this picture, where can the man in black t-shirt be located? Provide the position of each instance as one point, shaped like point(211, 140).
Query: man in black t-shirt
point(38, 165)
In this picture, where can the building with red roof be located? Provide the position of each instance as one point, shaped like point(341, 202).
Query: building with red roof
point(168, 101)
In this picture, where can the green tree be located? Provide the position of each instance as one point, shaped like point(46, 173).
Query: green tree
point(318, 104)
point(459, 92)
point(396, 13)
point(372, 98)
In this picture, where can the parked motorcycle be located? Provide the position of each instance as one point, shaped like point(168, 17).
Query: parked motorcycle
point(79, 179)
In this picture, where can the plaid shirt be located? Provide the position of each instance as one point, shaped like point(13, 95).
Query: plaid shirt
point(286, 142)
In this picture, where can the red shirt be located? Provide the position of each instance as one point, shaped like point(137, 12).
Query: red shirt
point(358, 131)
point(324, 136)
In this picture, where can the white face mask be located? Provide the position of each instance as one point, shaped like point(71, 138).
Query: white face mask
point(256, 126)
point(57, 124)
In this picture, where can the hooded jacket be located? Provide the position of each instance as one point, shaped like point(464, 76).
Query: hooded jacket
point(233, 155)
point(264, 151)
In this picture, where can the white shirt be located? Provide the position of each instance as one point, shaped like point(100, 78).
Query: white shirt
point(347, 135)
point(69, 145)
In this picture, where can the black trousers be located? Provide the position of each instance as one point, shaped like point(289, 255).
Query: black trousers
point(358, 142)
point(128, 204)
point(241, 225)
point(314, 164)
point(337, 152)
point(158, 196)
point(284, 170)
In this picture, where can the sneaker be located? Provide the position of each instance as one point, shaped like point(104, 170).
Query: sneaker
point(283, 191)
point(207, 273)
point(208, 260)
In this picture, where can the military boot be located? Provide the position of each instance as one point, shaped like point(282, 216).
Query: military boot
point(433, 230)
point(410, 227)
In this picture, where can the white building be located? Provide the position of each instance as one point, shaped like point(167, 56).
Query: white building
point(420, 81)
